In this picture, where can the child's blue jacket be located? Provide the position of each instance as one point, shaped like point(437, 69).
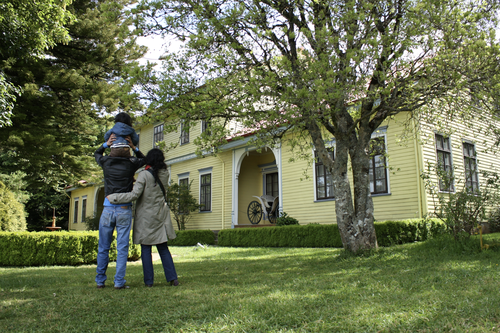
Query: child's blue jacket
point(121, 130)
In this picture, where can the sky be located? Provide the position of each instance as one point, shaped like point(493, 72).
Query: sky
point(156, 46)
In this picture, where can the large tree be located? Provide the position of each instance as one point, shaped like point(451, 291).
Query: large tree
point(58, 120)
point(325, 69)
point(28, 29)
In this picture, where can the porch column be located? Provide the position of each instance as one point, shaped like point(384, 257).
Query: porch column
point(238, 156)
point(279, 165)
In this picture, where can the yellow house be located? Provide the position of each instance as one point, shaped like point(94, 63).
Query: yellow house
point(227, 183)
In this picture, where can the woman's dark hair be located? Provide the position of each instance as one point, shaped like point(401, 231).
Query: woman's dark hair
point(123, 117)
point(156, 160)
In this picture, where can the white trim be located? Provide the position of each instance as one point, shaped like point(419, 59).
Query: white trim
point(238, 155)
point(75, 209)
point(205, 170)
point(82, 213)
point(183, 175)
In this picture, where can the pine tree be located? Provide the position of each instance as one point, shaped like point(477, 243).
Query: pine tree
point(57, 122)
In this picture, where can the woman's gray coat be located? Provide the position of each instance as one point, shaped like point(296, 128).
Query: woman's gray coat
point(152, 223)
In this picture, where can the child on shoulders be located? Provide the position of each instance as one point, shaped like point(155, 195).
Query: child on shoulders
point(122, 128)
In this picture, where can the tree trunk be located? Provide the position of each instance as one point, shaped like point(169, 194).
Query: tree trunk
point(354, 217)
point(363, 203)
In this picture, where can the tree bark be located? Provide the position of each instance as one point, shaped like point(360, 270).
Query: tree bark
point(354, 217)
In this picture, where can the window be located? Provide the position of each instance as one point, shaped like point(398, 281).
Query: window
point(184, 134)
point(138, 140)
point(470, 163)
point(324, 181)
point(272, 184)
point(84, 207)
point(75, 214)
point(205, 126)
point(378, 169)
point(158, 135)
point(206, 192)
point(184, 182)
point(444, 167)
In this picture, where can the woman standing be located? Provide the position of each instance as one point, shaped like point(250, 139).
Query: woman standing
point(152, 223)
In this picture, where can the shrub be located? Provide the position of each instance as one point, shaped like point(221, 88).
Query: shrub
point(494, 220)
point(316, 235)
point(463, 209)
point(12, 216)
point(407, 231)
point(193, 237)
point(181, 203)
point(92, 223)
point(54, 248)
point(284, 219)
point(286, 236)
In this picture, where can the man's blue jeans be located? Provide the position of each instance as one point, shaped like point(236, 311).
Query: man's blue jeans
point(121, 218)
point(166, 261)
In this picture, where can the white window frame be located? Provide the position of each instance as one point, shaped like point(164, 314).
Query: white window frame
point(203, 126)
point(452, 185)
point(466, 142)
point(75, 209)
point(184, 135)
point(204, 172)
point(388, 183)
point(83, 214)
point(158, 136)
point(328, 147)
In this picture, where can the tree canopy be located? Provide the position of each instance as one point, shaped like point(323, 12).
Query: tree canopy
point(28, 29)
point(67, 93)
point(301, 64)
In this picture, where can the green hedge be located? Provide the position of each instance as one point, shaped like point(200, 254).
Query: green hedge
point(75, 247)
point(193, 237)
point(54, 248)
point(315, 235)
point(407, 231)
point(310, 235)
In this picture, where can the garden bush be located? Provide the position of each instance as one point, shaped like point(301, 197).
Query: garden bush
point(316, 235)
point(407, 231)
point(494, 220)
point(54, 248)
point(312, 235)
point(12, 216)
point(192, 237)
point(284, 219)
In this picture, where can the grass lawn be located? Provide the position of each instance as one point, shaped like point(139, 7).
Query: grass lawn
point(420, 287)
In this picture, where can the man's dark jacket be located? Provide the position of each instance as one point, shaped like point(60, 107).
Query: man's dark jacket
point(118, 171)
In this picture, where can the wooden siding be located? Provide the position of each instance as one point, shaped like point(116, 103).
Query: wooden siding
point(404, 182)
point(407, 156)
point(401, 202)
point(79, 193)
point(475, 131)
point(145, 138)
point(212, 220)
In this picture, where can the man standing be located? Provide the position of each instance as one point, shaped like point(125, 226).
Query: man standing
point(119, 169)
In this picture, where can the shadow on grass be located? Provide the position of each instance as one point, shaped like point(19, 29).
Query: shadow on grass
point(412, 287)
